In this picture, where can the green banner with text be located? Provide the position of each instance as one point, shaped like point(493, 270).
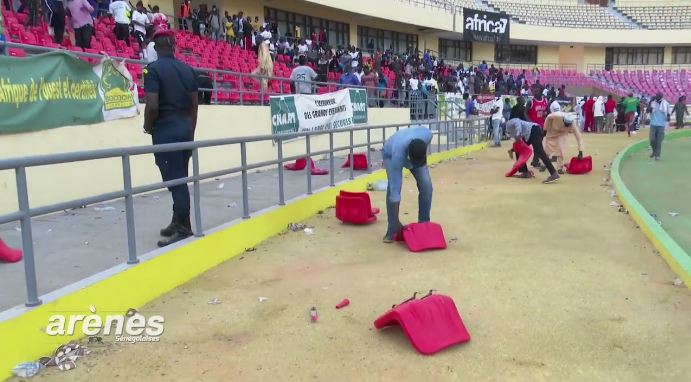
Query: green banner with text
point(57, 89)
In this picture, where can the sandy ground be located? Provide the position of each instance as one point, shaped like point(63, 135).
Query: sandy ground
point(552, 283)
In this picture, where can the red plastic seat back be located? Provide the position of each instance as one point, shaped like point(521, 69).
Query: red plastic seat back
point(353, 210)
point(359, 162)
point(430, 323)
point(580, 166)
point(524, 153)
point(363, 195)
point(299, 164)
point(424, 236)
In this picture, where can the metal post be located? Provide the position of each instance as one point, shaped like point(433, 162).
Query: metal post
point(129, 211)
point(215, 86)
point(331, 160)
point(352, 176)
point(261, 89)
point(448, 136)
point(308, 168)
point(438, 136)
point(197, 195)
point(242, 89)
point(281, 190)
point(27, 239)
point(369, 150)
point(245, 196)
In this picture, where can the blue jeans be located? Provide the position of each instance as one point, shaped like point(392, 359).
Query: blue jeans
point(657, 135)
point(496, 131)
point(424, 186)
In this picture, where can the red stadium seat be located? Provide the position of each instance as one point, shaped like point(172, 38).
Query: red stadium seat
point(431, 323)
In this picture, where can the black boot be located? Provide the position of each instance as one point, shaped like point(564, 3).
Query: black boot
point(181, 228)
point(169, 231)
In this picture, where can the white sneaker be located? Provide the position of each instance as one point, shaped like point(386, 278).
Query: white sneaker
point(634, 132)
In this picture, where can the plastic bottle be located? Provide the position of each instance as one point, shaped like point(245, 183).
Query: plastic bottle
point(27, 369)
point(314, 316)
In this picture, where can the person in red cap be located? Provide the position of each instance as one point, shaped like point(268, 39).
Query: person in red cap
point(170, 116)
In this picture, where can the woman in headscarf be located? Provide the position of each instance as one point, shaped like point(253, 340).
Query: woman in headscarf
point(266, 65)
point(558, 126)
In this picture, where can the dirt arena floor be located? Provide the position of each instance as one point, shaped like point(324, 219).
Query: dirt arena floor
point(552, 283)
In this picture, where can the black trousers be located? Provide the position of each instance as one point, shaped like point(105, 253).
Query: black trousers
point(82, 36)
point(535, 140)
point(175, 165)
point(122, 32)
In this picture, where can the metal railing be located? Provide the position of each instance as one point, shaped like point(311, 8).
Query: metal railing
point(607, 67)
point(456, 133)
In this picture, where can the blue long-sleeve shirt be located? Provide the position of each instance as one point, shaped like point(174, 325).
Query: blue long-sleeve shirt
point(396, 157)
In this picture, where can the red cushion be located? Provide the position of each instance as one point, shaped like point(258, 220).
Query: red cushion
point(359, 162)
point(354, 210)
point(580, 166)
point(9, 255)
point(424, 236)
point(524, 153)
point(430, 323)
point(363, 195)
point(299, 164)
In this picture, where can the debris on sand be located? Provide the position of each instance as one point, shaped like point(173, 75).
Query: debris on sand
point(612, 193)
point(673, 214)
point(233, 205)
point(677, 282)
point(379, 185)
point(614, 204)
point(27, 369)
point(262, 299)
point(296, 227)
point(66, 356)
point(309, 231)
point(214, 301)
point(345, 302)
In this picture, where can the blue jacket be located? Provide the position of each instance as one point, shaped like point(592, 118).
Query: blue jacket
point(396, 156)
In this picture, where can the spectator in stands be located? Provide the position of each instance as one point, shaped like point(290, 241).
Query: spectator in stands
point(8, 5)
point(256, 24)
point(266, 64)
point(630, 104)
point(659, 117)
point(82, 22)
point(483, 66)
point(170, 117)
point(248, 31)
point(215, 23)
point(302, 77)
point(32, 7)
point(149, 52)
point(158, 19)
point(56, 16)
point(230, 29)
point(610, 114)
point(369, 80)
point(119, 9)
point(140, 21)
point(185, 20)
point(562, 92)
point(680, 110)
point(349, 78)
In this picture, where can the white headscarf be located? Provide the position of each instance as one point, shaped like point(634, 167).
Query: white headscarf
point(554, 107)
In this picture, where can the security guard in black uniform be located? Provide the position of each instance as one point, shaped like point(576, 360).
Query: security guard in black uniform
point(171, 116)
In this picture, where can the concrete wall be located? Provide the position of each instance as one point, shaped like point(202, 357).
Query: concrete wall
point(572, 54)
point(52, 184)
point(483, 51)
point(548, 54)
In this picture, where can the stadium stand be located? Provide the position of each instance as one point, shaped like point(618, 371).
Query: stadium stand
point(658, 17)
point(561, 14)
point(672, 83)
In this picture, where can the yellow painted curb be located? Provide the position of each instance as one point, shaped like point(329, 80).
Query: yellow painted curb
point(23, 338)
